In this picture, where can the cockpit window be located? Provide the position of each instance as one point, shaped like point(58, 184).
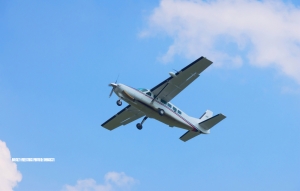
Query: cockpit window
point(149, 94)
point(142, 89)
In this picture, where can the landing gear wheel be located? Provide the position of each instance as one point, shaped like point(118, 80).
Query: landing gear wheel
point(139, 126)
point(161, 112)
point(119, 102)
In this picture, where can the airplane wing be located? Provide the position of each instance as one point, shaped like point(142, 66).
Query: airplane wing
point(125, 116)
point(172, 86)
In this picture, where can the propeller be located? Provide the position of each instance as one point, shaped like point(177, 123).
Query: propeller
point(111, 92)
point(113, 85)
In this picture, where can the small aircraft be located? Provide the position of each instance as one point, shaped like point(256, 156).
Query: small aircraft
point(155, 103)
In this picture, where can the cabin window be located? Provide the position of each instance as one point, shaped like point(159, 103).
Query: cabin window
point(170, 106)
point(148, 93)
point(179, 112)
point(174, 108)
point(163, 101)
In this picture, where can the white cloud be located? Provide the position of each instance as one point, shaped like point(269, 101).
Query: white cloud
point(9, 175)
point(113, 181)
point(120, 179)
point(267, 31)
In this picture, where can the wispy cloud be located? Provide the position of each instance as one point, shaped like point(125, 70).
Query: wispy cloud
point(9, 175)
point(267, 32)
point(113, 181)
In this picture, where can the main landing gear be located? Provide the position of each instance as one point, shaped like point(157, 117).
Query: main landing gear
point(161, 112)
point(140, 125)
point(119, 102)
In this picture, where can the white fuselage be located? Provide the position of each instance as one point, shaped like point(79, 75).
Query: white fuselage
point(144, 102)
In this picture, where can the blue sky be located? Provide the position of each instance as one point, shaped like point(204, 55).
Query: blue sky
point(57, 59)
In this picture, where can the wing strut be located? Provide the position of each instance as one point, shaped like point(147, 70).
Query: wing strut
point(160, 92)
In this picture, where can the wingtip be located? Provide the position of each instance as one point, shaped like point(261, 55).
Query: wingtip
point(223, 115)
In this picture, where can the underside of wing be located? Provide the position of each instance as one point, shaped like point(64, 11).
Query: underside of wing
point(125, 116)
point(172, 86)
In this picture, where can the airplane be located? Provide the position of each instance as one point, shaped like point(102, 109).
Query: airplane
point(155, 103)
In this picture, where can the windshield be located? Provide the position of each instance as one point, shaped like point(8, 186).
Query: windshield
point(142, 89)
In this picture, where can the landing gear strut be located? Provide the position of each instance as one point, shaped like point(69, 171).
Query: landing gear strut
point(140, 125)
point(119, 102)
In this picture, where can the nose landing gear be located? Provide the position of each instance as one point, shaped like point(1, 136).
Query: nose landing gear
point(140, 125)
point(119, 102)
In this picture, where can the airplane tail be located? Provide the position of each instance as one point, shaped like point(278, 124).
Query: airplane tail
point(208, 114)
point(210, 122)
point(205, 123)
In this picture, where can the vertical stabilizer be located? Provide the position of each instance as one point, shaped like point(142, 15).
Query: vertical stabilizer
point(208, 114)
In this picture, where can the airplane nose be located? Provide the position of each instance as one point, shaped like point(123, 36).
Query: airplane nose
point(113, 85)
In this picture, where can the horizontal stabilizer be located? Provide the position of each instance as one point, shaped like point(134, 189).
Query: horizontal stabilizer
point(209, 123)
point(189, 135)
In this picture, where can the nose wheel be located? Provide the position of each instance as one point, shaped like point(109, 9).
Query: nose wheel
point(140, 125)
point(119, 102)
